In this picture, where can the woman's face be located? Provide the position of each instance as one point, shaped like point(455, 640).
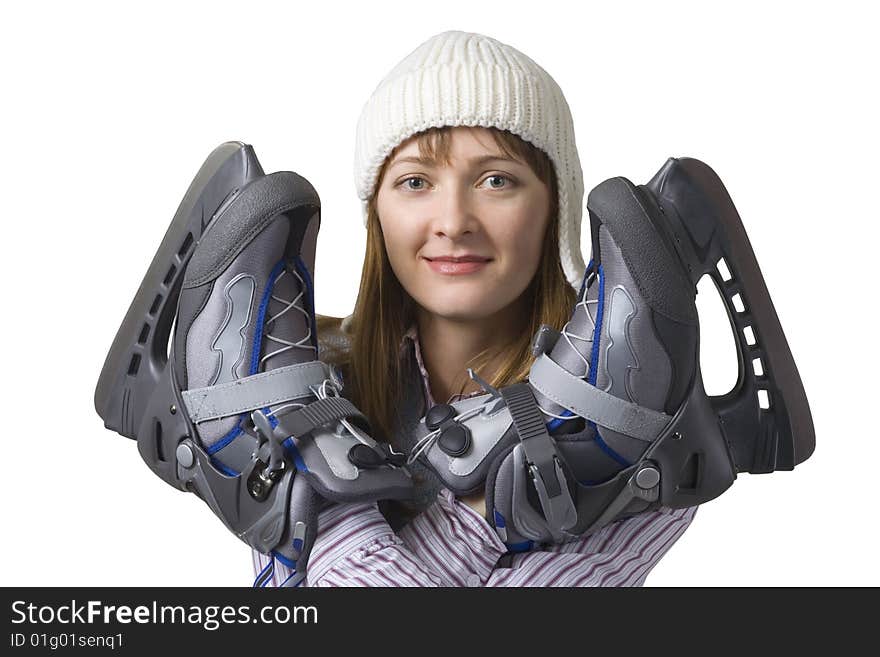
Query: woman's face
point(464, 240)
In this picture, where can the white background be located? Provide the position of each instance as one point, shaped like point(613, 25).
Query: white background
point(109, 110)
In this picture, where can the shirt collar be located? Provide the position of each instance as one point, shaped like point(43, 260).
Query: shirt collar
point(412, 334)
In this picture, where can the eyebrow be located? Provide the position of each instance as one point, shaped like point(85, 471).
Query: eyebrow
point(478, 160)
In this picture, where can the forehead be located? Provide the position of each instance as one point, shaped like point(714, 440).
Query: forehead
point(466, 145)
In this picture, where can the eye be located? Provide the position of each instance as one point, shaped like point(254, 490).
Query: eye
point(419, 179)
point(495, 179)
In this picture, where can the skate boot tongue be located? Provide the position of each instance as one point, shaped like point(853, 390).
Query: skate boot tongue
point(287, 336)
point(286, 317)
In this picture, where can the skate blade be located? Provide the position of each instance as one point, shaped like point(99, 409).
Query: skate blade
point(765, 418)
point(138, 354)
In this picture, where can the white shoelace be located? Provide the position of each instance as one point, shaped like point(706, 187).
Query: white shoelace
point(328, 387)
point(568, 335)
point(305, 342)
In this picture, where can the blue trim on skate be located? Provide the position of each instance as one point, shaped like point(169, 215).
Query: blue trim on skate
point(261, 316)
point(232, 435)
point(290, 446)
point(287, 562)
point(228, 438)
point(584, 279)
point(594, 368)
point(524, 546)
point(557, 422)
point(597, 330)
point(304, 272)
point(255, 364)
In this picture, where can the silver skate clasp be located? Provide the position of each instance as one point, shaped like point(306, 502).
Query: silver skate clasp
point(543, 461)
point(556, 501)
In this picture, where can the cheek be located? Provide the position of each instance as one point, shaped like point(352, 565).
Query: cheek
point(521, 243)
point(401, 244)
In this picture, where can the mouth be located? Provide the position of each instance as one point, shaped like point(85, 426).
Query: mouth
point(457, 265)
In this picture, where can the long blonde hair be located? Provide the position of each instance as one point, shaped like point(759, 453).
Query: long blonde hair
point(384, 310)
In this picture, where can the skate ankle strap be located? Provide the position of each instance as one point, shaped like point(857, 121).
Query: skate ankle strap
point(542, 459)
point(256, 391)
point(317, 414)
point(594, 404)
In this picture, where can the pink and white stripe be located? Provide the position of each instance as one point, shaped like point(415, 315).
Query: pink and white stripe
point(450, 544)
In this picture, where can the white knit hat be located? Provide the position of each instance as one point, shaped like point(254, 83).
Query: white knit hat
point(466, 79)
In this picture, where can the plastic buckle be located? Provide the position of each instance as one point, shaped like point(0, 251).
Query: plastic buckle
point(263, 481)
point(556, 502)
point(642, 482)
point(545, 339)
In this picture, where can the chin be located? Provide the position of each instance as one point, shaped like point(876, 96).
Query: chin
point(461, 306)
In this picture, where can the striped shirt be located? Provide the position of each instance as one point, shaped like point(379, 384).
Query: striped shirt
point(450, 544)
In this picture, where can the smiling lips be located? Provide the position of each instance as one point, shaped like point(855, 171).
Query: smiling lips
point(455, 265)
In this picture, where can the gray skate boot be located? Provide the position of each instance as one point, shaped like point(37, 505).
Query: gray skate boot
point(614, 419)
point(238, 408)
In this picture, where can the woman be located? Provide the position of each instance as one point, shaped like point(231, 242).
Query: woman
point(472, 188)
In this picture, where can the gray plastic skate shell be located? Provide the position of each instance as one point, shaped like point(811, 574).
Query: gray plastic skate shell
point(665, 475)
point(694, 454)
point(139, 392)
point(122, 393)
point(166, 445)
point(696, 457)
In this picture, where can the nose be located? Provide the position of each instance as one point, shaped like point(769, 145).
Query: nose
point(455, 216)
